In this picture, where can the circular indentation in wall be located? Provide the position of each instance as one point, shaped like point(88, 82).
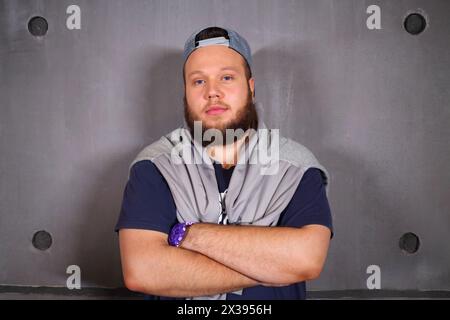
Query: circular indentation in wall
point(42, 240)
point(415, 23)
point(409, 242)
point(38, 26)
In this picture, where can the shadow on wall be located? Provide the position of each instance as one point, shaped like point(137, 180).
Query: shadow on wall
point(155, 92)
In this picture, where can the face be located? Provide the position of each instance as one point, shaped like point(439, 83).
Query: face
point(217, 92)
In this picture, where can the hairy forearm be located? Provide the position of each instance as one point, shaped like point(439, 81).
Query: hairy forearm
point(182, 273)
point(267, 254)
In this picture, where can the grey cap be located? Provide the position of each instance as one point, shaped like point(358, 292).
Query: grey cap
point(233, 40)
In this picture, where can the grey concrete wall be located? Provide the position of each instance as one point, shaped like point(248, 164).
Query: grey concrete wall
point(373, 105)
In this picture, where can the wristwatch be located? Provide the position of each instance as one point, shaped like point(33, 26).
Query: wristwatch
point(178, 233)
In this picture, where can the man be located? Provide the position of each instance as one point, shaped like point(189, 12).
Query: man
point(223, 228)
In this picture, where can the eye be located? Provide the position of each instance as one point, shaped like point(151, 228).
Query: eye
point(198, 82)
point(228, 78)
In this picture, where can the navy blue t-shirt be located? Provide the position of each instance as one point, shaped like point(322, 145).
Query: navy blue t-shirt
point(149, 204)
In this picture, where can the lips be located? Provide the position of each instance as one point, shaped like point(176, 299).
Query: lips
point(215, 110)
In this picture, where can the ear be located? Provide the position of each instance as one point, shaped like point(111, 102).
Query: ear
point(251, 84)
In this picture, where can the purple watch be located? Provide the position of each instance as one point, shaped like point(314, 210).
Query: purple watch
point(178, 233)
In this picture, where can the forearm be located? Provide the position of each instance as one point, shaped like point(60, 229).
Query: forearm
point(182, 273)
point(267, 254)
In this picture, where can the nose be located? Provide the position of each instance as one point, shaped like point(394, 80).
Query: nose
point(213, 91)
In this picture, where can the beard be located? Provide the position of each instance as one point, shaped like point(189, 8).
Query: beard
point(246, 118)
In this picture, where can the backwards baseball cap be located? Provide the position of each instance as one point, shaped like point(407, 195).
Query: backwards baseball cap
point(230, 39)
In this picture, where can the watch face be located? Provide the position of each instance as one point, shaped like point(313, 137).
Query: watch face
point(177, 234)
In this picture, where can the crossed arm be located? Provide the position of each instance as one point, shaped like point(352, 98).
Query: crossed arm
point(216, 258)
